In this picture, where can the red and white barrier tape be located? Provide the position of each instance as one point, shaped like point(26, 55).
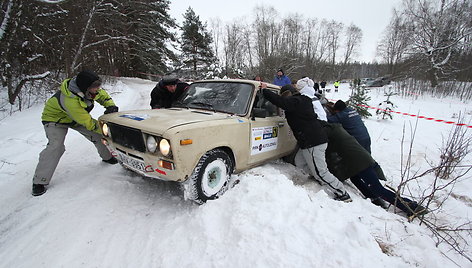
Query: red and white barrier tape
point(415, 115)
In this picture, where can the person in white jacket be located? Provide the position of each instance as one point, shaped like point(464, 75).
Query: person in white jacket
point(305, 86)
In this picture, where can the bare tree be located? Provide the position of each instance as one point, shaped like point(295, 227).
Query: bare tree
point(234, 48)
point(441, 27)
point(395, 41)
point(292, 35)
point(352, 42)
point(216, 32)
point(267, 32)
point(333, 33)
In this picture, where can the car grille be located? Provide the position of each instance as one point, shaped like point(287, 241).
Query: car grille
point(128, 137)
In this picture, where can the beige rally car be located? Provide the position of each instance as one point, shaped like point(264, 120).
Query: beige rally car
point(216, 128)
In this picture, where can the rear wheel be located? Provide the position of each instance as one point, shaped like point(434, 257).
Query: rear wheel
point(210, 178)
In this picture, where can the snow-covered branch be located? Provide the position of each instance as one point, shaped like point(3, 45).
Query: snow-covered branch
point(6, 19)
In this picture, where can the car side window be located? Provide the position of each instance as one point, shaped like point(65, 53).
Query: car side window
point(262, 103)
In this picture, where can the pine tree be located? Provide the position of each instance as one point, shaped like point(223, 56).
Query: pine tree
point(386, 107)
point(358, 100)
point(195, 44)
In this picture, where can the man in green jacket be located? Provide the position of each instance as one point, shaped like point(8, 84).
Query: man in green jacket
point(346, 158)
point(70, 108)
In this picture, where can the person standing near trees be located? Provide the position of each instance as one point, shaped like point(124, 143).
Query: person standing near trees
point(309, 135)
point(281, 79)
point(323, 85)
point(336, 86)
point(70, 108)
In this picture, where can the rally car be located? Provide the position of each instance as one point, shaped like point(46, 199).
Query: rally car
point(216, 128)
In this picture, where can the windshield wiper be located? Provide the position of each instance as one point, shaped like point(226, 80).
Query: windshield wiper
point(203, 104)
point(180, 104)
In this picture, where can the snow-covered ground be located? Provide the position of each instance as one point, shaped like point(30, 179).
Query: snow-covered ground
point(100, 215)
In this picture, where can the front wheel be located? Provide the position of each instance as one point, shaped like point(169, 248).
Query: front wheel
point(210, 178)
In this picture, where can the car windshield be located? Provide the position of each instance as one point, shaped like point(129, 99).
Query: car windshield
point(232, 98)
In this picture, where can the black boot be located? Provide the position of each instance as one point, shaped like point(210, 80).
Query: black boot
point(344, 197)
point(38, 189)
point(379, 202)
point(111, 161)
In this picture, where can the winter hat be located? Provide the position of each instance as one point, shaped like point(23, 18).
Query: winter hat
point(85, 79)
point(339, 105)
point(288, 87)
point(305, 82)
point(169, 80)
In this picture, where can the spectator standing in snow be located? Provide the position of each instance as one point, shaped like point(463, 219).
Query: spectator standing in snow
point(168, 90)
point(70, 108)
point(351, 122)
point(281, 79)
point(323, 85)
point(316, 86)
point(358, 165)
point(310, 137)
point(336, 86)
point(305, 86)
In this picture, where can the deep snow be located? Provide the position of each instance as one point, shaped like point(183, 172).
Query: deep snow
point(98, 215)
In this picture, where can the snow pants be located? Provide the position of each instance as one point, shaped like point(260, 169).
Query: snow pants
point(313, 160)
point(50, 156)
point(368, 183)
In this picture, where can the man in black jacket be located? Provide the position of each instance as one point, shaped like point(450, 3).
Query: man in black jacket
point(168, 90)
point(310, 136)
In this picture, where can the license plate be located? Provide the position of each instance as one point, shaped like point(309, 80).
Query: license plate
point(132, 163)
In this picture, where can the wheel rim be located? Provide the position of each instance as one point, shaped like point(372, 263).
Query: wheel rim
point(214, 177)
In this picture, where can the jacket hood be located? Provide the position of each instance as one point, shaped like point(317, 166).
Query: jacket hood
point(308, 91)
point(69, 87)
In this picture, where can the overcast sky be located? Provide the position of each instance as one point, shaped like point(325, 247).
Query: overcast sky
point(372, 16)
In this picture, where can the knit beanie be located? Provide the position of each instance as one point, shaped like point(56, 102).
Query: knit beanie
point(290, 88)
point(169, 80)
point(339, 105)
point(85, 79)
point(305, 82)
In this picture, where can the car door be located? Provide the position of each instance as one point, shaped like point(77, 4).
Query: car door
point(270, 135)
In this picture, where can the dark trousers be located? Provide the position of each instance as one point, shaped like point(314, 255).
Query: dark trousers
point(366, 144)
point(368, 183)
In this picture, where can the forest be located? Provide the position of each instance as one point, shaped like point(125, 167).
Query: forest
point(427, 45)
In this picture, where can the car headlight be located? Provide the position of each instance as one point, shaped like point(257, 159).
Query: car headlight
point(164, 147)
point(105, 130)
point(151, 144)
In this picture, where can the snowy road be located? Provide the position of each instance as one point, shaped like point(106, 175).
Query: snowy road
point(98, 215)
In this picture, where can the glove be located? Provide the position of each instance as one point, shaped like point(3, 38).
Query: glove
point(111, 109)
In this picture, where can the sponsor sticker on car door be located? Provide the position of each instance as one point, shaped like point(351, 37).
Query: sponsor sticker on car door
point(264, 139)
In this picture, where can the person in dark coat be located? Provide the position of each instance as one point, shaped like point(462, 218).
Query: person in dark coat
point(168, 90)
point(351, 122)
point(323, 84)
point(316, 86)
point(310, 136)
point(352, 161)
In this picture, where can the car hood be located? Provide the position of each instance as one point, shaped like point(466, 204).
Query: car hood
point(160, 120)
